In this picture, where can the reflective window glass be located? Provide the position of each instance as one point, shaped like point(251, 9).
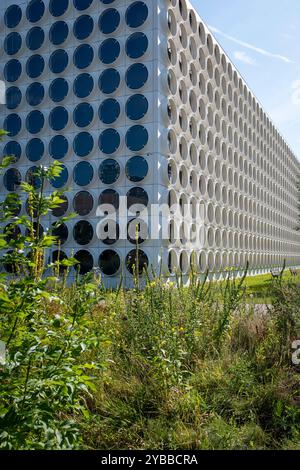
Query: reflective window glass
point(61, 180)
point(13, 16)
point(83, 56)
point(58, 90)
point(82, 4)
point(136, 262)
point(58, 147)
point(109, 51)
point(35, 94)
point(109, 197)
point(109, 171)
point(83, 203)
point(83, 27)
point(35, 10)
point(136, 45)
point(109, 21)
point(12, 43)
point(137, 231)
point(83, 114)
point(136, 14)
point(35, 122)
point(109, 141)
point(61, 233)
point(136, 169)
point(12, 124)
point(35, 150)
point(136, 107)
point(86, 261)
point(58, 7)
point(83, 85)
point(109, 111)
point(136, 138)
point(109, 81)
point(137, 196)
point(12, 70)
point(59, 32)
point(62, 208)
point(13, 97)
point(109, 262)
point(136, 76)
point(12, 179)
point(13, 149)
point(83, 173)
point(32, 178)
point(83, 232)
point(35, 66)
point(35, 38)
point(58, 61)
point(83, 144)
point(58, 118)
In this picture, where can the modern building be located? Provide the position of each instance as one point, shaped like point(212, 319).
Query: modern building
point(137, 99)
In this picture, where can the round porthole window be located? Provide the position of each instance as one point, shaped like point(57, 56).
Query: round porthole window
point(61, 180)
point(35, 11)
point(12, 16)
point(109, 21)
point(136, 169)
point(137, 197)
point(62, 208)
point(58, 147)
point(59, 256)
point(109, 197)
point(83, 173)
point(109, 141)
point(137, 231)
point(35, 122)
point(83, 27)
point(109, 262)
point(136, 14)
point(58, 61)
point(13, 97)
point(12, 124)
point(136, 45)
point(35, 66)
point(136, 262)
point(13, 149)
point(83, 114)
point(136, 107)
point(109, 111)
point(12, 43)
point(58, 7)
point(136, 76)
point(83, 85)
point(83, 144)
point(58, 118)
point(109, 51)
point(35, 38)
point(35, 94)
point(83, 203)
point(109, 81)
point(35, 150)
point(109, 171)
point(83, 56)
point(85, 262)
point(12, 179)
point(59, 32)
point(58, 90)
point(83, 232)
point(12, 70)
point(136, 138)
point(32, 177)
point(61, 233)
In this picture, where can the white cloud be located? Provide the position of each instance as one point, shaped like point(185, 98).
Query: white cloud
point(242, 56)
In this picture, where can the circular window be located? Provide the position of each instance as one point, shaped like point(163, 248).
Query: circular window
point(58, 90)
point(35, 66)
point(136, 14)
point(11, 232)
point(58, 147)
point(13, 149)
point(109, 111)
point(109, 51)
point(12, 179)
point(136, 138)
point(109, 262)
point(83, 114)
point(83, 144)
point(58, 7)
point(13, 205)
point(58, 61)
point(58, 118)
point(12, 70)
point(136, 169)
point(136, 45)
point(35, 11)
point(109, 81)
point(109, 21)
point(83, 85)
point(61, 180)
point(83, 203)
point(85, 260)
point(62, 208)
point(82, 4)
point(35, 38)
point(136, 76)
point(109, 197)
point(137, 231)
point(136, 262)
point(61, 233)
point(12, 43)
point(35, 94)
point(59, 256)
point(13, 16)
point(83, 27)
point(12, 124)
point(83, 56)
point(109, 171)
point(59, 32)
point(13, 97)
point(83, 232)
point(109, 141)
point(35, 150)
point(137, 196)
point(32, 178)
point(83, 173)
point(109, 232)
point(136, 107)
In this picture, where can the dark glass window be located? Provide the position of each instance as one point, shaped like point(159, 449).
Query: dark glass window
point(61, 232)
point(137, 196)
point(61, 180)
point(86, 261)
point(13, 97)
point(58, 90)
point(13, 16)
point(35, 122)
point(62, 208)
point(38, 229)
point(12, 43)
point(109, 229)
point(83, 85)
point(136, 14)
point(83, 232)
point(109, 111)
point(109, 51)
point(136, 262)
point(59, 32)
point(58, 147)
point(59, 256)
point(83, 144)
point(35, 38)
point(13, 149)
point(12, 70)
point(107, 2)
point(58, 61)
point(58, 7)
point(35, 94)
point(32, 177)
point(12, 124)
point(109, 262)
point(109, 81)
point(137, 231)
point(136, 138)
point(83, 203)
point(109, 171)
point(35, 11)
point(58, 118)
point(82, 4)
point(136, 169)
point(136, 76)
point(109, 141)
point(83, 56)
point(11, 232)
point(109, 197)
point(136, 107)
point(35, 150)
point(35, 66)
point(83, 27)
point(83, 114)
point(83, 173)
point(109, 21)
point(136, 45)
point(12, 179)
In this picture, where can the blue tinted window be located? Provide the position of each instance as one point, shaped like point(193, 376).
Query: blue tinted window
point(109, 262)
point(35, 66)
point(58, 7)
point(58, 118)
point(83, 232)
point(109, 81)
point(83, 203)
point(83, 144)
point(83, 173)
point(12, 70)
point(86, 262)
point(136, 262)
point(109, 141)
point(12, 43)
point(82, 4)
point(136, 107)
point(58, 61)
point(83, 27)
point(13, 149)
point(12, 124)
point(35, 94)
point(109, 197)
point(136, 138)
point(35, 150)
point(109, 171)
point(35, 122)
point(35, 10)
point(83, 56)
point(32, 178)
point(137, 196)
point(109, 51)
point(109, 111)
point(136, 169)
point(83, 85)
point(109, 21)
point(58, 32)
point(13, 97)
point(58, 89)
point(136, 45)
point(12, 179)
point(58, 147)
point(136, 14)
point(83, 114)
point(62, 179)
point(35, 38)
point(13, 16)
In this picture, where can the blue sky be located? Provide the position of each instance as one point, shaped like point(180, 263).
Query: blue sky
point(262, 38)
